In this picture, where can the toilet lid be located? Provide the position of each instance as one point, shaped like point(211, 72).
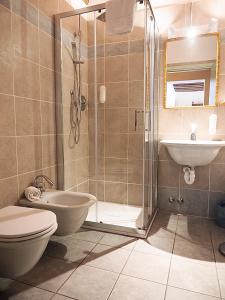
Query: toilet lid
point(17, 222)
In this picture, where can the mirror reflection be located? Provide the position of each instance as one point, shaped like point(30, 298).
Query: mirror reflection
point(191, 71)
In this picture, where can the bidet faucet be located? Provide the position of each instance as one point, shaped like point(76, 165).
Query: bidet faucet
point(39, 182)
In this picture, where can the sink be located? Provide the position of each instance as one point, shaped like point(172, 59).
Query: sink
point(193, 153)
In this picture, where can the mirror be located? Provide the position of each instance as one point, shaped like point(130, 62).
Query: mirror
point(191, 71)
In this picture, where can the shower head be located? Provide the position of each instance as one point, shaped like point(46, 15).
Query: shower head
point(102, 17)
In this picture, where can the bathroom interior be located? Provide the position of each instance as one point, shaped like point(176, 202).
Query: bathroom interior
point(112, 149)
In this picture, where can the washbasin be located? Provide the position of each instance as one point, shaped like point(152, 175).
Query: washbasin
point(193, 153)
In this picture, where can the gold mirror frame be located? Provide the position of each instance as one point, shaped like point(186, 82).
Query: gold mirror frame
point(217, 72)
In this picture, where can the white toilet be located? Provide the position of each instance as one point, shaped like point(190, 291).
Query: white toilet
point(24, 235)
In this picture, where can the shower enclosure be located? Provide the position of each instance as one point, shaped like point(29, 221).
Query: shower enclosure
point(107, 145)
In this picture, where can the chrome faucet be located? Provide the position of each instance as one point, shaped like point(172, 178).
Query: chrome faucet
point(193, 136)
point(39, 182)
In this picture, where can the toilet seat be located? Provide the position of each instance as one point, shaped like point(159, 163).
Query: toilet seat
point(18, 224)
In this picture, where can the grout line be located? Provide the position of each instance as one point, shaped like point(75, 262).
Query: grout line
point(14, 108)
point(171, 258)
point(214, 254)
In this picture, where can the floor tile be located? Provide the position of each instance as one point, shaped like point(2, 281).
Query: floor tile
point(60, 297)
point(218, 237)
point(88, 235)
point(147, 266)
point(194, 252)
point(89, 283)
point(166, 220)
point(130, 288)
point(221, 276)
point(107, 258)
point(13, 290)
point(178, 294)
point(164, 226)
point(194, 277)
point(155, 245)
point(71, 249)
point(194, 229)
point(117, 240)
point(49, 273)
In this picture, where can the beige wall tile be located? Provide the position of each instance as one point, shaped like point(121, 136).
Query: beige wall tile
point(82, 166)
point(49, 150)
point(29, 153)
point(48, 118)
point(116, 38)
point(26, 79)
point(28, 116)
point(47, 81)
point(135, 171)
point(116, 68)
point(9, 191)
point(116, 145)
point(46, 50)
point(7, 116)
point(116, 120)
point(100, 70)
point(168, 174)
point(70, 177)
point(136, 94)
point(67, 66)
point(135, 147)
point(115, 192)
point(136, 66)
point(116, 169)
point(49, 7)
point(100, 29)
point(98, 174)
point(217, 173)
point(6, 29)
point(82, 148)
point(96, 188)
point(83, 187)
point(135, 194)
point(117, 94)
point(8, 165)
point(25, 39)
point(6, 73)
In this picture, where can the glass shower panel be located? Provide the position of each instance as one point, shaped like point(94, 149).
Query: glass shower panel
point(107, 147)
point(151, 111)
point(96, 78)
point(74, 79)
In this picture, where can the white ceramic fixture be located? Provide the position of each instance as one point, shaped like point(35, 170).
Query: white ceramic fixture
point(193, 153)
point(71, 208)
point(24, 235)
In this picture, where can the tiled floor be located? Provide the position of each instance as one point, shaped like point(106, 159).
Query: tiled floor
point(179, 260)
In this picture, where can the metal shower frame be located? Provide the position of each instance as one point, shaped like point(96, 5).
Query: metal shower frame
point(142, 233)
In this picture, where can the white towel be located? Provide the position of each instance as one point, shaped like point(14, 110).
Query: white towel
point(32, 193)
point(120, 16)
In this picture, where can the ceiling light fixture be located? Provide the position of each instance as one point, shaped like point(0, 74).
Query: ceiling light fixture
point(191, 31)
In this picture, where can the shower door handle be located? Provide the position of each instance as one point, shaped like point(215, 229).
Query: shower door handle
point(136, 118)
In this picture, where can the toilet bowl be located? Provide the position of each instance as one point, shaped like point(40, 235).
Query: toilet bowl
point(24, 235)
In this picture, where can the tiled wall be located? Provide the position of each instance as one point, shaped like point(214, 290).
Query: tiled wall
point(27, 94)
point(209, 186)
point(120, 67)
